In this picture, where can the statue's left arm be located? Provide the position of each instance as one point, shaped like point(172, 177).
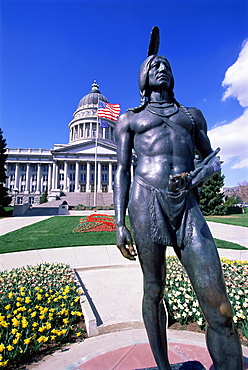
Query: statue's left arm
point(210, 161)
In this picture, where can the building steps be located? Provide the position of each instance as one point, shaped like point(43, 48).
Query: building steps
point(72, 199)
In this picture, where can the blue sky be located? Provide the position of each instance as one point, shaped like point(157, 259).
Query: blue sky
point(51, 51)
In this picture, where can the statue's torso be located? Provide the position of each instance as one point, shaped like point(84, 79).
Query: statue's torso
point(162, 150)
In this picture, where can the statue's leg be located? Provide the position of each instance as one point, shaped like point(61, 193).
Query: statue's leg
point(152, 260)
point(201, 261)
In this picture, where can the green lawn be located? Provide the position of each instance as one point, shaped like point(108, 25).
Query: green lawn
point(228, 245)
point(57, 232)
point(54, 232)
point(240, 219)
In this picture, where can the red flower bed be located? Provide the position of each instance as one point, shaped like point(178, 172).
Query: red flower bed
point(95, 223)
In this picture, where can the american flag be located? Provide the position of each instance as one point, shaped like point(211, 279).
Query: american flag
point(107, 110)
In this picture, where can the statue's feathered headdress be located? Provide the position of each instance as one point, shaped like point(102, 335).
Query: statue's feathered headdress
point(154, 42)
point(152, 53)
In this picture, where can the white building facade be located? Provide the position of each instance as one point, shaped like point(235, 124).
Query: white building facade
point(87, 164)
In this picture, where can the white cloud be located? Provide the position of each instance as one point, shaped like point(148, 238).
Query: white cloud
point(242, 164)
point(236, 78)
point(232, 138)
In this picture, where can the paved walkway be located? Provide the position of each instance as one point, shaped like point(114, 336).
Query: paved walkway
point(9, 224)
point(231, 233)
point(118, 339)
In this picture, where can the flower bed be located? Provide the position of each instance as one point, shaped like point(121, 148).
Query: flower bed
point(183, 305)
point(94, 223)
point(38, 305)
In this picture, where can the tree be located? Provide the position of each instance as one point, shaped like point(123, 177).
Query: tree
point(211, 196)
point(4, 198)
point(230, 201)
point(243, 191)
point(43, 198)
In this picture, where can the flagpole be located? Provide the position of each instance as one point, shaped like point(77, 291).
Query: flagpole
point(97, 133)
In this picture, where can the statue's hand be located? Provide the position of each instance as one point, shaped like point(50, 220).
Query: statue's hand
point(179, 182)
point(202, 173)
point(124, 243)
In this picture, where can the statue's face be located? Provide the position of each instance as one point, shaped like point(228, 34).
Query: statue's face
point(159, 75)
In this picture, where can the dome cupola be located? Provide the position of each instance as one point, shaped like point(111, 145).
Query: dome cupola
point(92, 98)
point(85, 124)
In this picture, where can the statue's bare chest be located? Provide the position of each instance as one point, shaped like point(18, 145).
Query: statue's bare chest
point(148, 120)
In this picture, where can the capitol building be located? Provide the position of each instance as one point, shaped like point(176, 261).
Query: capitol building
point(85, 167)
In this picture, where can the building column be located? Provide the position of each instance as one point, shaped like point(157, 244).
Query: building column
point(27, 184)
point(16, 186)
point(88, 178)
point(55, 176)
point(7, 182)
point(99, 179)
point(65, 176)
point(49, 177)
point(110, 187)
point(77, 177)
point(38, 178)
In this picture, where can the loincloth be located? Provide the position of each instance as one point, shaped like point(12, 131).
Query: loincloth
point(170, 215)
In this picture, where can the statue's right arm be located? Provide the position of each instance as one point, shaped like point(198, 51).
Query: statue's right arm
point(124, 138)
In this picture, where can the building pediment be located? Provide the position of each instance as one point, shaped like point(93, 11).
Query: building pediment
point(85, 148)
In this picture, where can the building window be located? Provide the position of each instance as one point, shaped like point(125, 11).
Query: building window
point(104, 167)
point(23, 177)
point(104, 189)
point(33, 188)
point(104, 178)
point(35, 167)
point(43, 188)
point(61, 186)
point(34, 177)
point(22, 188)
point(72, 167)
point(19, 200)
point(11, 188)
point(24, 167)
point(12, 178)
point(92, 177)
point(45, 178)
point(61, 166)
point(12, 167)
point(72, 188)
point(114, 167)
point(92, 167)
point(31, 200)
point(83, 167)
point(45, 168)
point(61, 176)
point(72, 176)
point(83, 177)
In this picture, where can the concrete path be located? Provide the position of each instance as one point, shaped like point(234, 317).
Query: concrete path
point(230, 233)
point(9, 224)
